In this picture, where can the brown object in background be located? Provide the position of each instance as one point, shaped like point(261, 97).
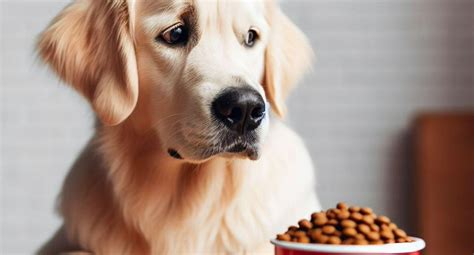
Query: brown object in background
point(445, 182)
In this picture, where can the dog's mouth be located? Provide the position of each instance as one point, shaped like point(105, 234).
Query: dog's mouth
point(241, 150)
point(244, 150)
point(243, 147)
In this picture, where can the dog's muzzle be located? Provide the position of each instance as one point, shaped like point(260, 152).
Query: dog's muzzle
point(238, 112)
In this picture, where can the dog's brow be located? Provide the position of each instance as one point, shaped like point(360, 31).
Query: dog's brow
point(158, 7)
point(165, 14)
point(238, 80)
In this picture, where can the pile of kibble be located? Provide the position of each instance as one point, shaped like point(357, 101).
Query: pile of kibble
point(346, 225)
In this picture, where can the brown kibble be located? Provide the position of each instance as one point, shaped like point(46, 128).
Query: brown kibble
point(332, 213)
point(321, 239)
point(375, 228)
point(320, 220)
point(366, 210)
point(399, 233)
point(334, 240)
point(385, 227)
point(401, 240)
point(299, 233)
point(342, 215)
point(328, 229)
point(318, 215)
point(303, 239)
point(341, 206)
point(284, 237)
point(361, 242)
point(292, 228)
point(373, 236)
point(348, 224)
point(356, 216)
point(315, 233)
point(387, 234)
point(363, 228)
point(354, 209)
point(348, 241)
point(305, 224)
point(350, 232)
point(377, 242)
point(367, 219)
point(382, 220)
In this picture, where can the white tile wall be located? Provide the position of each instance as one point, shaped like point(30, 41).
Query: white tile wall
point(379, 62)
point(44, 126)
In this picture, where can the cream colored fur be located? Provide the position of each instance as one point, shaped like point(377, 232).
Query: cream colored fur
point(125, 194)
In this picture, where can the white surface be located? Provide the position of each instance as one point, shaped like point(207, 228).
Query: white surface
point(417, 245)
point(379, 62)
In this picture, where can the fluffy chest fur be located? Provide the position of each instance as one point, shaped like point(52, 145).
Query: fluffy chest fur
point(141, 202)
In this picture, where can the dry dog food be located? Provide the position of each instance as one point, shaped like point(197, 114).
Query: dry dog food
point(346, 225)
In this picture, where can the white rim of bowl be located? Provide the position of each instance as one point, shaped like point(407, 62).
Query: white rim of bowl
point(417, 245)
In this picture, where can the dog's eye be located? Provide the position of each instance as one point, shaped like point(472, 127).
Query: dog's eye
point(176, 34)
point(251, 37)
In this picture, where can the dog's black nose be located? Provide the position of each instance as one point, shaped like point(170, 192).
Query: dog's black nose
point(240, 109)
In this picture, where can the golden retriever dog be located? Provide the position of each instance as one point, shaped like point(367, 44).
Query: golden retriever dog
point(186, 157)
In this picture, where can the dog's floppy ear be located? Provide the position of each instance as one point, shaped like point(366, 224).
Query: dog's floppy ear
point(90, 46)
point(287, 57)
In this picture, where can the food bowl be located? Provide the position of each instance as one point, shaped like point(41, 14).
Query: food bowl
point(293, 248)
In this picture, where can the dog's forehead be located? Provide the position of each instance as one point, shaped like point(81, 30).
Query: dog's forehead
point(206, 11)
point(176, 5)
point(229, 8)
point(154, 6)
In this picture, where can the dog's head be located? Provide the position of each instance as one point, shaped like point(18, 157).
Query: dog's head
point(202, 74)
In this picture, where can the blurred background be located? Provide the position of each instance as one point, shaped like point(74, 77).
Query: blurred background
point(379, 65)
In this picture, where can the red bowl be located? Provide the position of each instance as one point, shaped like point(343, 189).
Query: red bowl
point(291, 248)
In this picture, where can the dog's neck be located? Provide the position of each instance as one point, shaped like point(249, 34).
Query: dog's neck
point(164, 185)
